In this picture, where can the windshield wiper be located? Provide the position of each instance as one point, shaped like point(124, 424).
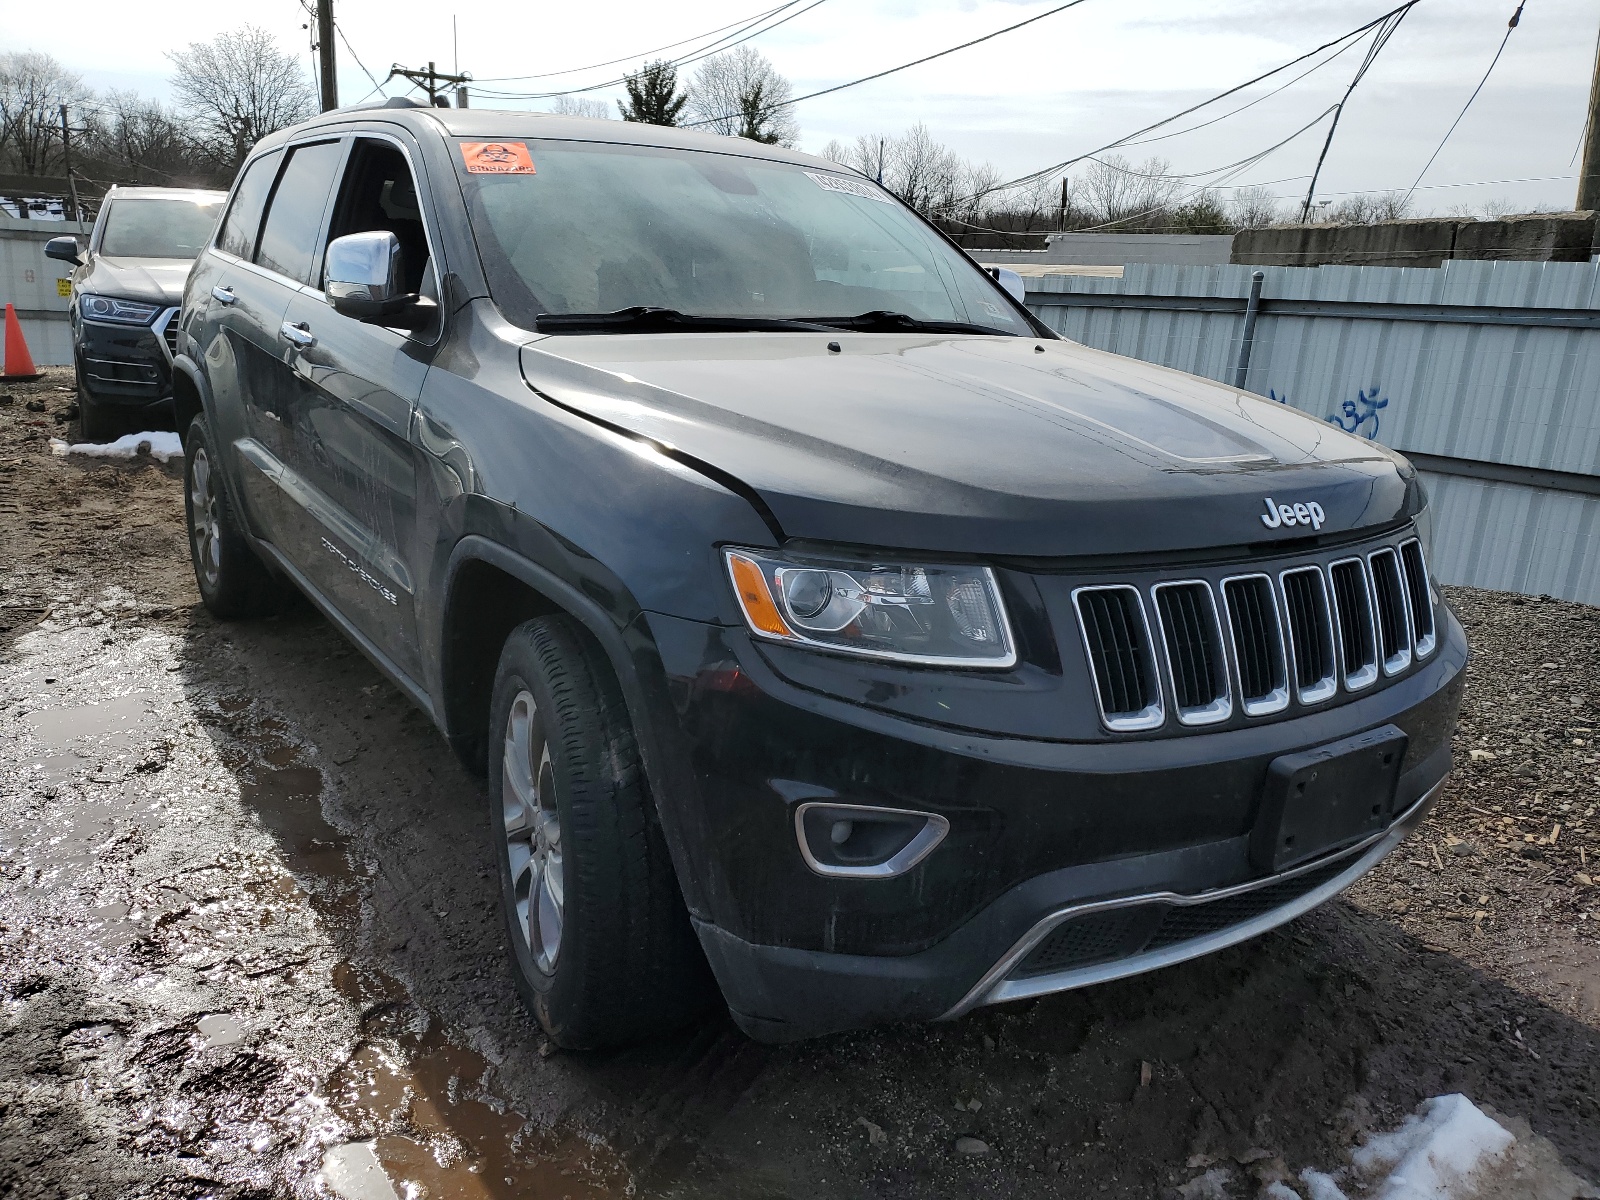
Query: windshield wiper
point(883, 320)
point(645, 318)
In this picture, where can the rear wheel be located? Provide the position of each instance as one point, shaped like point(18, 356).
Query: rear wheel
point(233, 581)
point(601, 943)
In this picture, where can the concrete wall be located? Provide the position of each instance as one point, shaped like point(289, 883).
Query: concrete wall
point(1553, 237)
point(1118, 249)
point(34, 284)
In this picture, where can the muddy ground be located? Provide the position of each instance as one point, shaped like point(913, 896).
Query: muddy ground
point(249, 945)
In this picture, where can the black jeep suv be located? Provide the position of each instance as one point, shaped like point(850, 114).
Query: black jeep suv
point(832, 633)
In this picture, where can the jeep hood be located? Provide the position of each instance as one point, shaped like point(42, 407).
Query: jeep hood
point(975, 445)
point(153, 280)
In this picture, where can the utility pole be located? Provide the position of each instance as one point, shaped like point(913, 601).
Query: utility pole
point(1589, 180)
point(66, 160)
point(329, 72)
point(436, 84)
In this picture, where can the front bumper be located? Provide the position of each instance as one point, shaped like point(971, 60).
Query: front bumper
point(126, 365)
point(776, 994)
point(1066, 864)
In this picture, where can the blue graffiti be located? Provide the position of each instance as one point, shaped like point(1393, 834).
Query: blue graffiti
point(1356, 415)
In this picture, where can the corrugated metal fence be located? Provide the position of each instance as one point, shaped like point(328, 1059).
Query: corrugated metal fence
point(1486, 373)
point(37, 285)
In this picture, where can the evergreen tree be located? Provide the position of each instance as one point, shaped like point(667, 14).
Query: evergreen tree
point(653, 96)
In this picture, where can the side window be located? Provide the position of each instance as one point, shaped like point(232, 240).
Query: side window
point(294, 217)
point(379, 193)
point(239, 228)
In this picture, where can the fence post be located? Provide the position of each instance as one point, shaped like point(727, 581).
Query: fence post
point(1251, 310)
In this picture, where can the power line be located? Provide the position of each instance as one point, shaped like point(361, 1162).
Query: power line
point(741, 22)
point(376, 86)
point(1047, 172)
point(905, 66)
point(1516, 19)
point(1379, 41)
point(716, 47)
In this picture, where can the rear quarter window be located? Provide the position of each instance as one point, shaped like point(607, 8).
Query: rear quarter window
point(239, 228)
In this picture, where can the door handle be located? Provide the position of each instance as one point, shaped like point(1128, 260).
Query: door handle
point(223, 295)
point(299, 333)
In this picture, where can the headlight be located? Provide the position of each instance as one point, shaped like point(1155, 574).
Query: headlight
point(117, 312)
point(937, 616)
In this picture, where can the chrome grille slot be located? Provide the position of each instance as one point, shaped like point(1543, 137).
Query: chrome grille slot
point(1417, 595)
point(1257, 644)
point(1117, 639)
point(1352, 612)
point(1196, 665)
point(1393, 616)
point(1305, 597)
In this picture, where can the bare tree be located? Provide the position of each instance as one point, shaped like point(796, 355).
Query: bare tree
point(32, 86)
point(1255, 208)
point(740, 94)
point(580, 106)
point(237, 88)
point(1364, 210)
point(1118, 193)
point(130, 131)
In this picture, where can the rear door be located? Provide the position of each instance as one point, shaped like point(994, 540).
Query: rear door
point(285, 258)
point(350, 458)
point(212, 318)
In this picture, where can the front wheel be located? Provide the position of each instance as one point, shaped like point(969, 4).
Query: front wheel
point(602, 947)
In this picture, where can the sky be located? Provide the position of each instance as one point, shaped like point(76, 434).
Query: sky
point(1063, 86)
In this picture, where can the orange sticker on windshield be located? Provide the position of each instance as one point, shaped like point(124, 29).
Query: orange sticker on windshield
point(497, 158)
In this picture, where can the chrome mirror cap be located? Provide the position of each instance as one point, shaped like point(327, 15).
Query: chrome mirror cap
point(364, 269)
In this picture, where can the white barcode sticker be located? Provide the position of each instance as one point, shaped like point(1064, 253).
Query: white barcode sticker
point(850, 187)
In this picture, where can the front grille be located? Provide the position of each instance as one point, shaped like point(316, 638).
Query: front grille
point(1305, 599)
point(1203, 647)
point(1257, 643)
point(1154, 925)
point(1117, 639)
point(1193, 641)
point(1352, 610)
point(1389, 602)
point(170, 335)
point(1417, 592)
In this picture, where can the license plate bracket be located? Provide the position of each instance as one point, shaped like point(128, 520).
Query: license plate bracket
point(1318, 800)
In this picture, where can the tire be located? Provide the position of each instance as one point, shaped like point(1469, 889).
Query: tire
point(97, 422)
point(233, 582)
point(602, 949)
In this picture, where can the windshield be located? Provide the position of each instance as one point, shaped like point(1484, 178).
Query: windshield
point(152, 228)
point(588, 227)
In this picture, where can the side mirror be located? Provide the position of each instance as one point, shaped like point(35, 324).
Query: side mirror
point(65, 249)
point(1010, 280)
point(362, 279)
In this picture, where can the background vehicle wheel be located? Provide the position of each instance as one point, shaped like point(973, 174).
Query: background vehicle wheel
point(603, 949)
point(233, 581)
point(97, 422)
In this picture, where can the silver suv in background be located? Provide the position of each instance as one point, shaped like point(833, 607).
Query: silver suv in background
point(125, 292)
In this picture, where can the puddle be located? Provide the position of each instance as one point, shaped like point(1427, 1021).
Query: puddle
point(219, 1029)
point(75, 736)
point(436, 1129)
point(424, 1119)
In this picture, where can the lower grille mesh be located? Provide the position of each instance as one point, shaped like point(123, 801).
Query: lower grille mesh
point(1123, 932)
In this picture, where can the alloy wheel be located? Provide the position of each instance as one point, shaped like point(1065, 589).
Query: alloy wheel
point(207, 527)
point(533, 833)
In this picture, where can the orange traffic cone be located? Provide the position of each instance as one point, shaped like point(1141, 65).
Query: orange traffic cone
point(19, 363)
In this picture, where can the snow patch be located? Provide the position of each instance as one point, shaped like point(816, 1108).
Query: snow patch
point(1436, 1153)
point(159, 445)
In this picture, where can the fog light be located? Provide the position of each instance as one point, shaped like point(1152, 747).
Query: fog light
point(864, 841)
